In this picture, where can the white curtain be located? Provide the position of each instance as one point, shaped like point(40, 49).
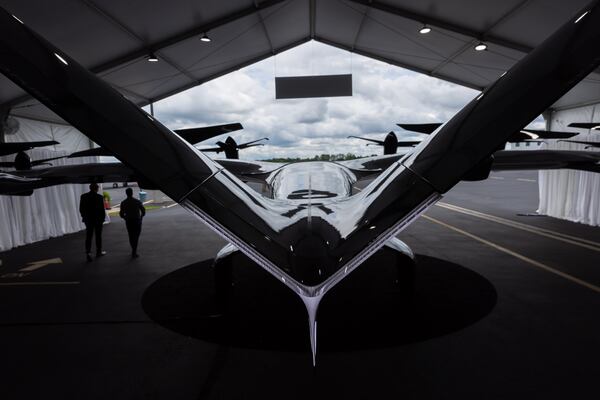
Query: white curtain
point(52, 211)
point(567, 194)
point(69, 138)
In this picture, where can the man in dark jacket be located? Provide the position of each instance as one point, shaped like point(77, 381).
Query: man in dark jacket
point(132, 211)
point(91, 208)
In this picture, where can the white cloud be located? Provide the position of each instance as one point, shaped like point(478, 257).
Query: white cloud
point(383, 96)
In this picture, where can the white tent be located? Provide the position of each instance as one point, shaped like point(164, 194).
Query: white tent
point(115, 38)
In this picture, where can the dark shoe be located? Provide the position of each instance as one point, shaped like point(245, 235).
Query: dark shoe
point(89, 257)
point(100, 253)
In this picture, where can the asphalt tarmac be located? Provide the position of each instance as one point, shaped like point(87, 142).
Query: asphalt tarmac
point(505, 306)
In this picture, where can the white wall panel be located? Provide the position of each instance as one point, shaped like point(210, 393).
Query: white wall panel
point(567, 194)
point(49, 212)
point(52, 211)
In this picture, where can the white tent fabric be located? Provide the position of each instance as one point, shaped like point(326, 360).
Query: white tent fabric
point(113, 39)
point(49, 212)
point(568, 194)
point(69, 138)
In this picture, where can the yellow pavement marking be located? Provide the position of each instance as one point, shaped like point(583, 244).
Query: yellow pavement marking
point(37, 283)
point(574, 240)
point(496, 177)
point(40, 264)
point(517, 255)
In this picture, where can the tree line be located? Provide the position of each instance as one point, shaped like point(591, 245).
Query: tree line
point(321, 157)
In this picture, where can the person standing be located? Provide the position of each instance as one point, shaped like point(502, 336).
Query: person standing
point(132, 211)
point(91, 208)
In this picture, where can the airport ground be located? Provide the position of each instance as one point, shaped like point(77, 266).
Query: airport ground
point(506, 306)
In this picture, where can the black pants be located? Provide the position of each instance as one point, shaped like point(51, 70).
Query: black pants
point(91, 229)
point(134, 228)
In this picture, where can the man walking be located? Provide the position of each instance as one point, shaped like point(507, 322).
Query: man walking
point(132, 211)
point(91, 208)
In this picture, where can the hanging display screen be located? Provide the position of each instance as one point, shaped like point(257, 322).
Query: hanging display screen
point(295, 87)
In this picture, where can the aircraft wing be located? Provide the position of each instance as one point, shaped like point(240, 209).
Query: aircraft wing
point(584, 142)
point(191, 135)
point(585, 125)
point(542, 134)
point(421, 128)
point(197, 135)
point(15, 147)
point(96, 151)
point(372, 165)
point(546, 159)
point(22, 182)
point(212, 150)
point(503, 160)
point(256, 171)
point(18, 182)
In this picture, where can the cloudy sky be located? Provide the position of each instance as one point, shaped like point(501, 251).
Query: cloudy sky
point(383, 95)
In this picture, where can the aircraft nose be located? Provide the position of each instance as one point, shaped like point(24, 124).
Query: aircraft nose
point(312, 258)
point(310, 261)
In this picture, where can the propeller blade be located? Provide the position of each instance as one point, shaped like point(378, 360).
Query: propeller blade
point(251, 143)
point(377, 142)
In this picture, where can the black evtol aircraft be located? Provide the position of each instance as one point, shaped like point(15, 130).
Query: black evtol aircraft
point(311, 232)
point(231, 148)
point(521, 135)
point(191, 135)
point(390, 143)
point(22, 160)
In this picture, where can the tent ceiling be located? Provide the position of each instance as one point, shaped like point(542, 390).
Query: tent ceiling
point(113, 38)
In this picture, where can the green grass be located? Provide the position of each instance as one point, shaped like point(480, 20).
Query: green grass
point(148, 207)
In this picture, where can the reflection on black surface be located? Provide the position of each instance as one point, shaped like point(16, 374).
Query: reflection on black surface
point(365, 311)
point(305, 194)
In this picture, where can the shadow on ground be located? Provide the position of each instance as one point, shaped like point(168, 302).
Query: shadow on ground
point(365, 311)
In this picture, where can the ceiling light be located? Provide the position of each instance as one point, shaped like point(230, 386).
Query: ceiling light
point(152, 58)
point(205, 38)
point(424, 29)
point(581, 16)
point(480, 46)
point(62, 60)
point(24, 24)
